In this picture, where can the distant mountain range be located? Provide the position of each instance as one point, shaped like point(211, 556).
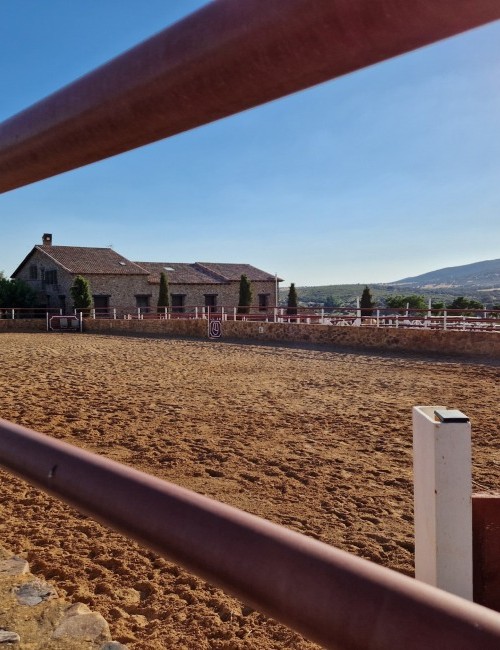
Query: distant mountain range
point(478, 276)
point(479, 281)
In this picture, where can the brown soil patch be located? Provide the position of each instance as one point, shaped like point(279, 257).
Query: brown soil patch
point(318, 441)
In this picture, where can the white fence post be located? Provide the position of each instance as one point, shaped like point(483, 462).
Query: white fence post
point(443, 499)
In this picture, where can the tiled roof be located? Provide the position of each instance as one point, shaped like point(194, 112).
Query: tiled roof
point(177, 273)
point(233, 272)
point(203, 273)
point(86, 260)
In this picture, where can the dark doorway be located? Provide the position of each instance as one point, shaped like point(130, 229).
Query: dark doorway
point(101, 305)
point(178, 301)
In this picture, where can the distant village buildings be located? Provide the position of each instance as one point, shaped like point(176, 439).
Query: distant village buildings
point(116, 281)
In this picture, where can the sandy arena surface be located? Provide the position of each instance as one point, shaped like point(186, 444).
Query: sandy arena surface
point(316, 440)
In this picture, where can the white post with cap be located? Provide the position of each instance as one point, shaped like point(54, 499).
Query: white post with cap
point(443, 499)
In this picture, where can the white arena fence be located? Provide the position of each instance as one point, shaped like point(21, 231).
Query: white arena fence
point(431, 319)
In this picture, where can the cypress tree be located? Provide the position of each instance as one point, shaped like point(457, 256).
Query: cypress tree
point(163, 297)
point(293, 301)
point(366, 302)
point(80, 292)
point(245, 297)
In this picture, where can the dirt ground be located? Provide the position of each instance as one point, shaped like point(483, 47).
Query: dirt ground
point(316, 440)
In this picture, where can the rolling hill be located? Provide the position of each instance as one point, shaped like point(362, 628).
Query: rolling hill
point(478, 281)
point(478, 275)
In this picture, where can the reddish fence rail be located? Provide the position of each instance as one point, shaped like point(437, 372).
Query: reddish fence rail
point(451, 319)
point(227, 57)
point(327, 595)
point(250, 52)
point(486, 539)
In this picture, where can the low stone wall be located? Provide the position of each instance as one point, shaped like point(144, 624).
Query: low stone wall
point(371, 338)
point(389, 339)
point(190, 328)
point(23, 325)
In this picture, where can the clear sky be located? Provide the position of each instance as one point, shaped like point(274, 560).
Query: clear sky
point(389, 172)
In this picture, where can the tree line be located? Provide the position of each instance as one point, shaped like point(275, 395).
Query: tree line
point(17, 293)
point(416, 302)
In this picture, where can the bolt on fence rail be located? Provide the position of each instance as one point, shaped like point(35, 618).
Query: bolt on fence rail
point(327, 595)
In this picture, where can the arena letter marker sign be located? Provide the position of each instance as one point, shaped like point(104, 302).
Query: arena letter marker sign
point(214, 325)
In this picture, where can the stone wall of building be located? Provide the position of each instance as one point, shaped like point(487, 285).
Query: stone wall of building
point(485, 344)
point(123, 291)
point(227, 295)
point(48, 293)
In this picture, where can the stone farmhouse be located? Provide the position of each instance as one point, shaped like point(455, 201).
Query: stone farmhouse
point(116, 282)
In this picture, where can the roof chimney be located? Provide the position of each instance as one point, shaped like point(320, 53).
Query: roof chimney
point(47, 239)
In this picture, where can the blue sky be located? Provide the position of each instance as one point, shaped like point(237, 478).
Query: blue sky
point(388, 172)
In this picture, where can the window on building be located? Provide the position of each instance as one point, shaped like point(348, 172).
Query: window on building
point(178, 302)
point(210, 300)
point(263, 301)
point(50, 277)
point(33, 272)
point(142, 302)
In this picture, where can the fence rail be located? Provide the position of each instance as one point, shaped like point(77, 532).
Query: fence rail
point(329, 596)
point(251, 52)
point(433, 319)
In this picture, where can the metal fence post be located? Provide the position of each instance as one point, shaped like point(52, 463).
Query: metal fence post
point(443, 494)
